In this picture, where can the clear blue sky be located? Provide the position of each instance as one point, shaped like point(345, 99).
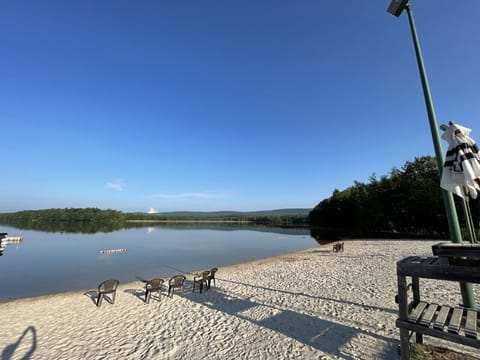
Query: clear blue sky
point(221, 105)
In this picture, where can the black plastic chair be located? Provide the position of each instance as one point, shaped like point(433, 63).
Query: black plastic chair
point(107, 287)
point(201, 280)
point(175, 282)
point(338, 247)
point(153, 286)
point(212, 277)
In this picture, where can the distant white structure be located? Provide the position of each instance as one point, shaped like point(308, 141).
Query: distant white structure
point(111, 251)
point(5, 240)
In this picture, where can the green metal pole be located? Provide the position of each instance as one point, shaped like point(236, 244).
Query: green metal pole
point(452, 217)
point(469, 222)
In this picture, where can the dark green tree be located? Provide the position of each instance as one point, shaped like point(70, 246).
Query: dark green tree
point(408, 201)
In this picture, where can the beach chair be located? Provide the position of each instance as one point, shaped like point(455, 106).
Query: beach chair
point(175, 282)
point(107, 287)
point(338, 247)
point(201, 280)
point(212, 277)
point(153, 286)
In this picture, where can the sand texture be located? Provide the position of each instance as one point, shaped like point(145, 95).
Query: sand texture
point(313, 304)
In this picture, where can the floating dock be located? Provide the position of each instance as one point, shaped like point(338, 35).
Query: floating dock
point(8, 240)
point(13, 239)
point(111, 251)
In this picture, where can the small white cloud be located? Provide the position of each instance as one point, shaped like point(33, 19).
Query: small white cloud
point(117, 185)
point(152, 210)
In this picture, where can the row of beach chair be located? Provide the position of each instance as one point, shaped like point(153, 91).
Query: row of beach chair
point(176, 282)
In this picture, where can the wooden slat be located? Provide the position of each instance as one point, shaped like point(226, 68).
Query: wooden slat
point(455, 320)
point(428, 315)
point(416, 259)
point(457, 338)
point(459, 325)
point(470, 251)
point(471, 324)
point(428, 261)
point(438, 270)
point(416, 312)
point(439, 322)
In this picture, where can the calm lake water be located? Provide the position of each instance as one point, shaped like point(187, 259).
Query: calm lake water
point(46, 263)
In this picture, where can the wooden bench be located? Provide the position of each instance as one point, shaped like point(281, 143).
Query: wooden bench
point(458, 254)
point(452, 323)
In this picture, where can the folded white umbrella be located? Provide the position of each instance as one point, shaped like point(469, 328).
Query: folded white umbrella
point(461, 170)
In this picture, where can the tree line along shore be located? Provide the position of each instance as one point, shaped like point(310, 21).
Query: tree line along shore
point(407, 202)
point(89, 220)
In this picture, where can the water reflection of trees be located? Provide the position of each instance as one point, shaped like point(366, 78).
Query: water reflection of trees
point(91, 228)
point(88, 221)
point(69, 227)
point(224, 227)
point(326, 235)
point(92, 220)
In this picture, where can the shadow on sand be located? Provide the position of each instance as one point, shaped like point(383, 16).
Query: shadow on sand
point(324, 335)
point(10, 350)
point(366, 307)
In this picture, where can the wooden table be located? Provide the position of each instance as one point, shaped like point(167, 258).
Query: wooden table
point(457, 324)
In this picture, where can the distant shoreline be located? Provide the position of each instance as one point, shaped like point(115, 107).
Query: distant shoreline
point(192, 221)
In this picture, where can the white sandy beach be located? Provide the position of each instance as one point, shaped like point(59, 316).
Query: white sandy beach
point(312, 304)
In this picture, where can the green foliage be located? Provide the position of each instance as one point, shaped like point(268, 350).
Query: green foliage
point(408, 201)
point(89, 220)
point(287, 217)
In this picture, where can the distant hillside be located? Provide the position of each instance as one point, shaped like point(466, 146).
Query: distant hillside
point(223, 214)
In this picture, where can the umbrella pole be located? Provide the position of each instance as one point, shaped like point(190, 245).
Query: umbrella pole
point(466, 288)
point(469, 221)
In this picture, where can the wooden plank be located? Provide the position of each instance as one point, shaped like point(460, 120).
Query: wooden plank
point(471, 324)
point(404, 343)
point(455, 320)
point(428, 315)
point(407, 259)
point(439, 271)
point(428, 260)
point(414, 315)
point(416, 289)
point(470, 251)
point(439, 322)
point(457, 338)
point(415, 259)
point(402, 297)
